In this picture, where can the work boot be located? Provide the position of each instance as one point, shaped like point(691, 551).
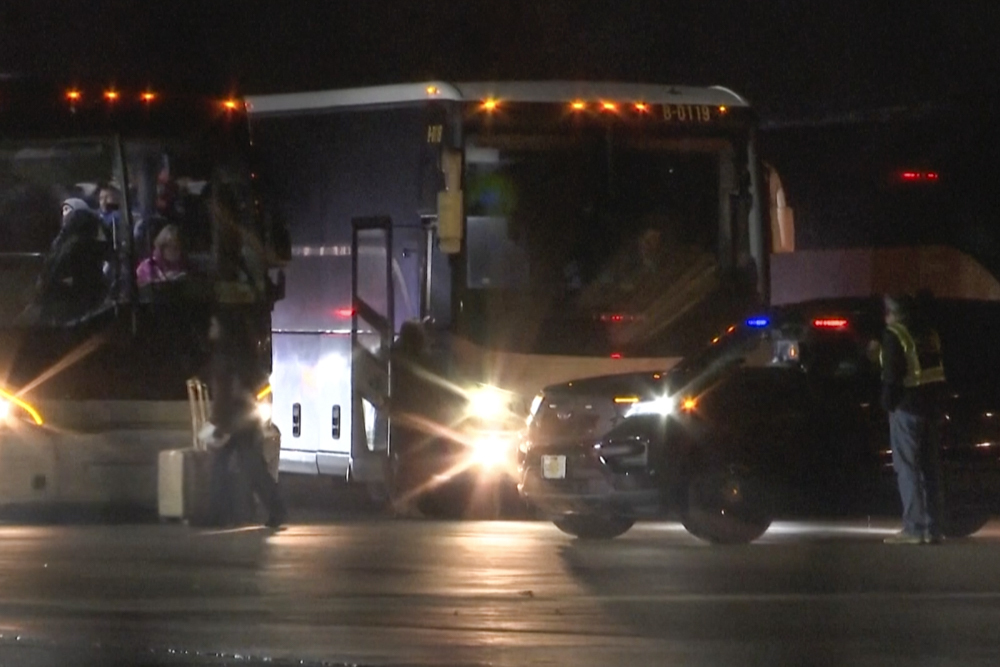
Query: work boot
point(903, 537)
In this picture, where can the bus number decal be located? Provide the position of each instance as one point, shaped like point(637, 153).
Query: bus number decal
point(687, 113)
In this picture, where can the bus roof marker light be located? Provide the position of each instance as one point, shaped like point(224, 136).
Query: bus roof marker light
point(148, 96)
point(73, 95)
point(609, 106)
point(111, 95)
point(723, 109)
point(490, 104)
point(641, 107)
point(757, 322)
point(433, 91)
point(231, 104)
point(578, 105)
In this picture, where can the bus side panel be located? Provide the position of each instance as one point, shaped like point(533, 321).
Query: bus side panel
point(319, 171)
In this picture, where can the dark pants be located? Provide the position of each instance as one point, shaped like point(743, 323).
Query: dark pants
point(247, 448)
point(916, 460)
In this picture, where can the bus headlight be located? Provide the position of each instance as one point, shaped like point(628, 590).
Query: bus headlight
point(264, 411)
point(13, 409)
point(488, 403)
point(489, 450)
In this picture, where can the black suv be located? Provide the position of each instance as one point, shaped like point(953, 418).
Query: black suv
point(779, 415)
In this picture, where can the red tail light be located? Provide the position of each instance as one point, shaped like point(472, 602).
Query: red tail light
point(344, 312)
point(616, 355)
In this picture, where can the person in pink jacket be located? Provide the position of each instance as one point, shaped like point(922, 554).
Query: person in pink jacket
point(167, 261)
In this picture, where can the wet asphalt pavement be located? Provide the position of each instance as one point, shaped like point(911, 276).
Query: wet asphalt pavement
point(353, 587)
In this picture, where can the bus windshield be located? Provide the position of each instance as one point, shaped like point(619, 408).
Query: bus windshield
point(609, 239)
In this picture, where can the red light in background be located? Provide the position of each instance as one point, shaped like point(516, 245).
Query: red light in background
point(931, 175)
point(910, 175)
point(830, 323)
point(616, 355)
point(344, 312)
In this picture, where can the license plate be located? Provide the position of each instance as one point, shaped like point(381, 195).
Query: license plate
point(554, 467)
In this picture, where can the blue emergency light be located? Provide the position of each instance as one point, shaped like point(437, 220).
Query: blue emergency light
point(758, 322)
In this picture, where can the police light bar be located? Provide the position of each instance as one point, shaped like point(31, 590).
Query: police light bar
point(830, 322)
point(758, 322)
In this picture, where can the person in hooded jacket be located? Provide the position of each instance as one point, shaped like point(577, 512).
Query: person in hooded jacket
point(238, 431)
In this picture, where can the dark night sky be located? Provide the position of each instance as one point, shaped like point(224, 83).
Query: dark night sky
point(788, 56)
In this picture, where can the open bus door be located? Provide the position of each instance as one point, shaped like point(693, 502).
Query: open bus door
point(372, 331)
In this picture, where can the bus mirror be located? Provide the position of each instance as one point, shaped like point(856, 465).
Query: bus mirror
point(450, 207)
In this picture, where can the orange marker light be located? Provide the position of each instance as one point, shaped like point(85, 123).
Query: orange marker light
point(689, 404)
point(609, 106)
point(433, 90)
point(147, 97)
point(641, 107)
point(578, 105)
point(232, 105)
point(490, 105)
point(73, 95)
point(111, 95)
point(723, 109)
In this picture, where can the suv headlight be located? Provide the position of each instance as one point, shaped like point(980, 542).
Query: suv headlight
point(662, 406)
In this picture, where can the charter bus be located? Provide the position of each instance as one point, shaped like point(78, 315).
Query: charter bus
point(127, 214)
point(549, 230)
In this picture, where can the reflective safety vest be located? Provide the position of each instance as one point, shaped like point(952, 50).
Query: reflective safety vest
point(924, 364)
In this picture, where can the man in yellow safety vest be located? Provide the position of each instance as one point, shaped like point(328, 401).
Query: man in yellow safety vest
point(912, 375)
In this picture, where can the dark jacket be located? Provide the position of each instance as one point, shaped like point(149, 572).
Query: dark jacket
point(232, 391)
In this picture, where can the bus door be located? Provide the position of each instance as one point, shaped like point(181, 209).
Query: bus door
point(372, 331)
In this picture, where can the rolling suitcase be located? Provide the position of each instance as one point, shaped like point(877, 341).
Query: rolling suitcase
point(184, 477)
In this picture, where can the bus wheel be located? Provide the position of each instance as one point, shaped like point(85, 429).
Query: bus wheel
point(594, 526)
point(722, 509)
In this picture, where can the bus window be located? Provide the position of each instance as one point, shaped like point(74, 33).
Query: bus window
point(58, 261)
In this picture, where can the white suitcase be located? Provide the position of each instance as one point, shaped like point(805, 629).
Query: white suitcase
point(183, 484)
